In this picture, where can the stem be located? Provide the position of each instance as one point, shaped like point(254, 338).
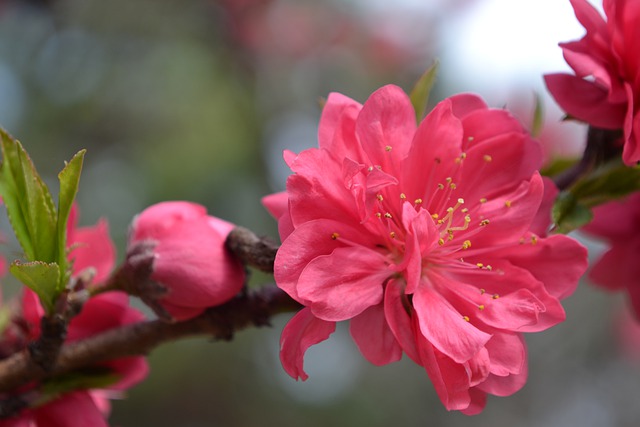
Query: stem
point(220, 322)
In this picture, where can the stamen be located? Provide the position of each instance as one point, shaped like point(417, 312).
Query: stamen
point(418, 201)
point(483, 200)
point(379, 197)
point(335, 236)
point(495, 296)
point(484, 222)
point(481, 307)
point(534, 240)
point(482, 291)
point(465, 318)
point(507, 203)
point(402, 196)
point(388, 148)
point(466, 244)
point(378, 215)
point(441, 241)
point(388, 215)
point(392, 234)
point(487, 158)
point(440, 187)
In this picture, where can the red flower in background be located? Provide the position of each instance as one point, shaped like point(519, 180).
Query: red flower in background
point(605, 90)
point(421, 237)
point(618, 269)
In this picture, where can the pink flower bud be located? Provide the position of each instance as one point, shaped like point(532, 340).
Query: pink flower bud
point(191, 260)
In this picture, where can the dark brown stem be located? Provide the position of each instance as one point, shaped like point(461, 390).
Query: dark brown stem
point(220, 322)
point(259, 252)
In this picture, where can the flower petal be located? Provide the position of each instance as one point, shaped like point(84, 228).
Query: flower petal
point(343, 284)
point(374, 338)
point(302, 331)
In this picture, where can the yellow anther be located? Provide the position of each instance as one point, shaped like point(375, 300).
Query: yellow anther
point(461, 200)
point(466, 244)
point(335, 236)
point(470, 139)
point(483, 200)
point(465, 318)
point(480, 265)
point(448, 179)
point(481, 307)
point(449, 209)
point(488, 267)
point(534, 240)
point(464, 210)
point(378, 215)
point(388, 215)
point(487, 158)
point(495, 296)
point(467, 218)
point(440, 187)
point(440, 221)
point(463, 155)
point(392, 234)
point(379, 197)
point(450, 234)
point(370, 168)
point(484, 222)
point(482, 291)
point(434, 216)
point(507, 203)
point(418, 201)
point(453, 186)
point(441, 241)
point(403, 196)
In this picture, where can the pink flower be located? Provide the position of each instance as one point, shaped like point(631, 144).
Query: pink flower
point(420, 236)
point(618, 269)
point(605, 90)
point(86, 407)
point(91, 247)
point(191, 259)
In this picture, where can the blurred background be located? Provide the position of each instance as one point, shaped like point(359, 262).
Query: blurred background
point(195, 100)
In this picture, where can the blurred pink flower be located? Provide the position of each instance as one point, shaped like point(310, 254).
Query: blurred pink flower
point(90, 247)
point(618, 269)
point(190, 257)
point(420, 236)
point(605, 90)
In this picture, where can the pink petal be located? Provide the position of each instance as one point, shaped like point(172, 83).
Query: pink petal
point(336, 130)
point(505, 386)
point(307, 242)
point(465, 103)
point(71, 410)
point(302, 331)
point(92, 247)
point(437, 142)
point(343, 284)
point(508, 354)
point(444, 327)
point(385, 128)
point(396, 304)
point(158, 220)
point(374, 338)
point(585, 101)
point(478, 402)
point(450, 379)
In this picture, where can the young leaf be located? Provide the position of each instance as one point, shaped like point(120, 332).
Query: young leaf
point(69, 179)
point(40, 277)
point(420, 93)
point(29, 203)
point(538, 117)
point(569, 214)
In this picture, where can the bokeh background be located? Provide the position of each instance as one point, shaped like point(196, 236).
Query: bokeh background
point(195, 100)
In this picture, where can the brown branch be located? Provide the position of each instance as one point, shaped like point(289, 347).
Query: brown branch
point(252, 250)
point(219, 322)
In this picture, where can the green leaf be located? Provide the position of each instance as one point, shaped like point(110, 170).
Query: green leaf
point(29, 203)
point(569, 214)
point(40, 277)
point(557, 166)
point(420, 93)
point(69, 179)
point(538, 117)
point(611, 181)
